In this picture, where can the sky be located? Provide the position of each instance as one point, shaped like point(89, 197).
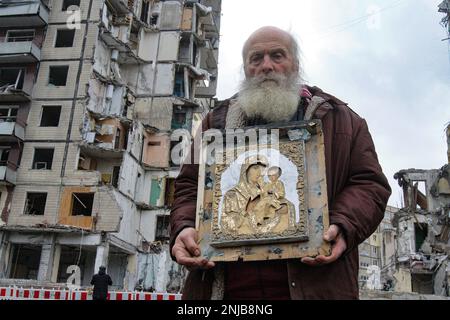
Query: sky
point(385, 58)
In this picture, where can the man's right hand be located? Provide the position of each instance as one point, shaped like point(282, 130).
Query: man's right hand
point(187, 252)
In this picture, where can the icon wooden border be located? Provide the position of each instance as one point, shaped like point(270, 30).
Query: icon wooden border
point(300, 142)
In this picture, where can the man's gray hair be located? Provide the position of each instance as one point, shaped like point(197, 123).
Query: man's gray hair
point(294, 49)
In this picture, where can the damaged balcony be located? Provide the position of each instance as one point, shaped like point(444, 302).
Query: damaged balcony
point(119, 32)
point(185, 78)
point(121, 7)
point(24, 13)
point(13, 87)
point(107, 170)
point(105, 136)
point(9, 162)
point(155, 153)
point(19, 52)
point(198, 19)
point(110, 98)
point(11, 128)
point(155, 193)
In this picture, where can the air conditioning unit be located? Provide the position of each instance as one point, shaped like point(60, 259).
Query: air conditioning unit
point(40, 165)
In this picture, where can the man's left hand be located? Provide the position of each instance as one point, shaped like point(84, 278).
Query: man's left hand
point(338, 246)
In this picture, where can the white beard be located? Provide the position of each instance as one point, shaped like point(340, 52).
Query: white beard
point(273, 98)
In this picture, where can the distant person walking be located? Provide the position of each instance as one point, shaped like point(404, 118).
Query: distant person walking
point(101, 281)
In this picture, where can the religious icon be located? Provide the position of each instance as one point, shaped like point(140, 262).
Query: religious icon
point(257, 198)
point(255, 206)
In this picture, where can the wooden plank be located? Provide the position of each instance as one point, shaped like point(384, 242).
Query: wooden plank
point(186, 22)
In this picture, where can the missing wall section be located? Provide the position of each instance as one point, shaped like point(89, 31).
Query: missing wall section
point(162, 228)
point(25, 261)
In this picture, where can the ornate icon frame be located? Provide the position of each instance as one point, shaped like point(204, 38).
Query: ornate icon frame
point(229, 231)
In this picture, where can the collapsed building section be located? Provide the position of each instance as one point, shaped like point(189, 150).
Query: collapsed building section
point(423, 227)
point(86, 135)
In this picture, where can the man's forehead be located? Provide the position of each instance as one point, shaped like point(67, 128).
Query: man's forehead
point(266, 46)
point(268, 38)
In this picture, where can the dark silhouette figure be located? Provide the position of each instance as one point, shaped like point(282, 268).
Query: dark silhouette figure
point(101, 281)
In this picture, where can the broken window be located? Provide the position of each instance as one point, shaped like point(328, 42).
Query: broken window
point(68, 3)
point(179, 84)
point(12, 77)
point(179, 120)
point(117, 139)
point(43, 159)
point(8, 114)
point(115, 176)
point(4, 154)
point(144, 11)
point(64, 38)
point(25, 261)
point(82, 204)
point(421, 232)
point(50, 116)
point(170, 192)
point(422, 283)
point(185, 50)
point(86, 163)
point(155, 192)
point(154, 19)
point(162, 228)
point(35, 203)
point(20, 35)
point(58, 75)
point(125, 139)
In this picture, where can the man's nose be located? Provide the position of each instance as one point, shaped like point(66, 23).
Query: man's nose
point(267, 65)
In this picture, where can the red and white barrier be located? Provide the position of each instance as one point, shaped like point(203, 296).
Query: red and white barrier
point(16, 293)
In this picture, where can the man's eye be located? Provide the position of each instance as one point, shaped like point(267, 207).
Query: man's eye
point(277, 56)
point(255, 59)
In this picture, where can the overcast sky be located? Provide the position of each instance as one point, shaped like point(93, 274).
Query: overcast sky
point(385, 58)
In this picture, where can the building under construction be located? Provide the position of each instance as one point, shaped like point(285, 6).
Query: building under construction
point(90, 94)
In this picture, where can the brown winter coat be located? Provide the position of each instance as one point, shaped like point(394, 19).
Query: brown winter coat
point(358, 193)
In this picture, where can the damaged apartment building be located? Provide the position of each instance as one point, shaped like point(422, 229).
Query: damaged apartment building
point(90, 93)
point(423, 231)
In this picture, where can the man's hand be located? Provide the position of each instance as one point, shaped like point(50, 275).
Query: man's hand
point(338, 246)
point(187, 252)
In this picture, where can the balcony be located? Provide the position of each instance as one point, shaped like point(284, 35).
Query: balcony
point(11, 131)
point(23, 14)
point(19, 52)
point(7, 175)
point(13, 87)
point(11, 93)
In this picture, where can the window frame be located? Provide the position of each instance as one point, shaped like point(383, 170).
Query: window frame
point(8, 36)
point(49, 75)
point(42, 115)
point(34, 156)
point(67, 30)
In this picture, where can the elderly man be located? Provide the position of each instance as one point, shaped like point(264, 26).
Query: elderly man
point(357, 189)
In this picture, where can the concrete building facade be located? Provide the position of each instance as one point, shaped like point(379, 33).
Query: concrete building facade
point(377, 253)
point(91, 93)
